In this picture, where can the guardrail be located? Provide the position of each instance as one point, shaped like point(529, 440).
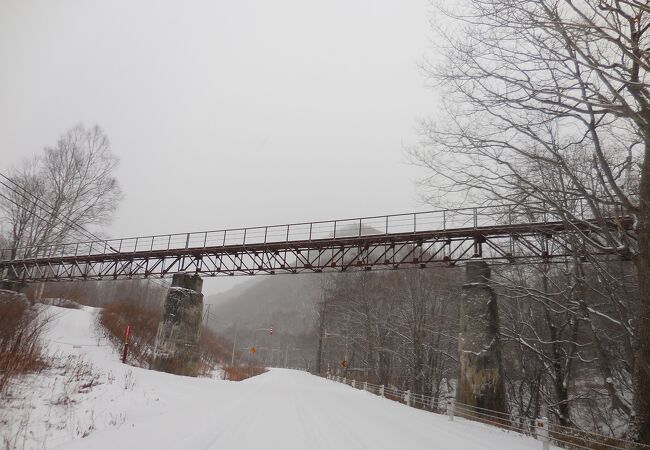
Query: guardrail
point(545, 431)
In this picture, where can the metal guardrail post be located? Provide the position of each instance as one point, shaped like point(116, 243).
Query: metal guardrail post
point(407, 397)
point(381, 390)
point(450, 408)
point(542, 434)
point(365, 385)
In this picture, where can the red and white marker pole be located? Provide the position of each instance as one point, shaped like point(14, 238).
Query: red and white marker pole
point(127, 333)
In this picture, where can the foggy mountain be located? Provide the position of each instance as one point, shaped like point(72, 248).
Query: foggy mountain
point(285, 303)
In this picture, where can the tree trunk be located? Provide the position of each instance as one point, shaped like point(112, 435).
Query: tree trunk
point(319, 351)
point(642, 366)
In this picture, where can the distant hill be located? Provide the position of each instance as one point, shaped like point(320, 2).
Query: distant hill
point(285, 303)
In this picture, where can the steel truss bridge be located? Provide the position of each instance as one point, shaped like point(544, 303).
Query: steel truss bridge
point(500, 234)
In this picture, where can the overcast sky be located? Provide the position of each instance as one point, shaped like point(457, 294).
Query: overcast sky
point(225, 113)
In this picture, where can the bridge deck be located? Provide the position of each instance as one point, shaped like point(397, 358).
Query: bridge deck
point(395, 241)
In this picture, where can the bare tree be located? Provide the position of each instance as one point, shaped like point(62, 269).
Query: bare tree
point(58, 194)
point(548, 100)
point(394, 328)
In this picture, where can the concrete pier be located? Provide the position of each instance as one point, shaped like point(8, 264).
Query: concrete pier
point(480, 382)
point(177, 341)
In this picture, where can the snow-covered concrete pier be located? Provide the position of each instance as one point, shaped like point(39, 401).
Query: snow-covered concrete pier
point(177, 341)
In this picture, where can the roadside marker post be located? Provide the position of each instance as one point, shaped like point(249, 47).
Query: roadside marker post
point(541, 426)
point(450, 408)
point(125, 350)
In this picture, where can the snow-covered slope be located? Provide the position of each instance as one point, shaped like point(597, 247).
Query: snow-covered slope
point(130, 408)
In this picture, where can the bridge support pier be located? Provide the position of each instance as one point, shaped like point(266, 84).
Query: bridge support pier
point(480, 382)
point(177, 340)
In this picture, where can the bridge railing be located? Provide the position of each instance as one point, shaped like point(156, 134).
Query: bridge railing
point(438, 220)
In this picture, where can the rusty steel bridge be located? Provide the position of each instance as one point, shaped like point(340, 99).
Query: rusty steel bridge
point(501, 234)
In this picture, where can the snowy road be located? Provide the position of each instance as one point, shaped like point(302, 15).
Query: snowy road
point(133, 408)
point(286, 409)
point(295, 410)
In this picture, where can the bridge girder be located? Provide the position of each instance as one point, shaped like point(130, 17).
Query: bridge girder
point(535, 242)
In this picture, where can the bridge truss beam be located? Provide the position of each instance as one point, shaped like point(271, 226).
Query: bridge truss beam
point(535, 242)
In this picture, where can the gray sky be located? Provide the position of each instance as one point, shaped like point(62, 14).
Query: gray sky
point(225, 114)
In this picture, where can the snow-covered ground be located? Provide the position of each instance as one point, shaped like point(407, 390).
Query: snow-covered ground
point(98, 403)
